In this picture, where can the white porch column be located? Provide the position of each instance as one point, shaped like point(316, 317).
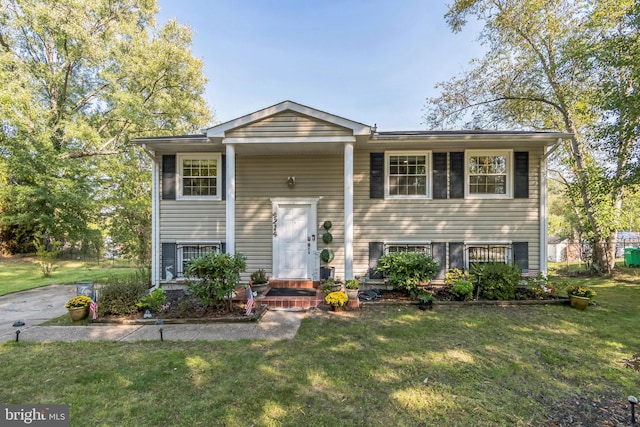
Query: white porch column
point(155, 226)
point(231, 200)
point(348, 211)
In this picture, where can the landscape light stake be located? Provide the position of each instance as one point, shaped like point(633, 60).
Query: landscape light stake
point(16, 325)
point(160, 322)
point(633, 401)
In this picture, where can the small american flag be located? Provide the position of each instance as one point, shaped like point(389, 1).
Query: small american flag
point(249, 301)
point(93, 307)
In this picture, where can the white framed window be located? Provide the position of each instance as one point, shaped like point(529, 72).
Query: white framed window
point(484, 252)
point(407, 174)
point(421, 247)
point(199, 176)
point(489, 174)
point(186, 251)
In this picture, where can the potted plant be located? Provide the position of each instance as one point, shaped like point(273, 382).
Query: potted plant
point(579, 296)
point(336, 300)
point(352, 286)
point(78, 307)
point(425, 300)
point(326, 255)
point(331, 285)
point(259, 281)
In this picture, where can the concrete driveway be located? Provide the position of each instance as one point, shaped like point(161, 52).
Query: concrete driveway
point(35, 306)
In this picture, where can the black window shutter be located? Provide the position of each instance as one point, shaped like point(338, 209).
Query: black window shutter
point(456, 171)
point(521, 255)
point(223, 248)
point(439, 175)
point(521, 181)
point(376, 177)
point(376, 250)
point(168, 259)
point(439, 255)
point(169, 177)
point(223, 177)
point(456, 255)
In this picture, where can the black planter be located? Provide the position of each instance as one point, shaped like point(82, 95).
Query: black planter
point(427, 305)
point(327, 272)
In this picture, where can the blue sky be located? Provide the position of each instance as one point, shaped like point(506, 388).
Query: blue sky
point(373, 61)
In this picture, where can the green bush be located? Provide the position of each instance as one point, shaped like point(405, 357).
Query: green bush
point(455, 274)
point(218, 276)
point(496, 280)
point(121, 296)
point(407, 270)
point(154, 300)
point(462, 289)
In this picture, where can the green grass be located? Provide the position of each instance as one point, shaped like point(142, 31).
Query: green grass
point(486, 366)
point(19, 274)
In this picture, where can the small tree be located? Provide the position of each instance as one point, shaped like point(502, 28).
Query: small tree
point(407, 270)
point(217, 276)
point(47, 255)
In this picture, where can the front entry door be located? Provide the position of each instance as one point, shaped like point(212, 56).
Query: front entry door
point(294, 240)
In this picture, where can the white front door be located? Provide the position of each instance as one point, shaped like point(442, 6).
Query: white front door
point(294, 240)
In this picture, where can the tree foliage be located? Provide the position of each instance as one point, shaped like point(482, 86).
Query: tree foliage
point(78, 79)
point(569, 66)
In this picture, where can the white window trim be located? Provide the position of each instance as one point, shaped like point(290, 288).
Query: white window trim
point(474, 243)
point(426, 243)
point(198, 156)
point(509, 182)
point(429, 178)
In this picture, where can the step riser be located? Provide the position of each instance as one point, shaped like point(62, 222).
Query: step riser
point(298, 284)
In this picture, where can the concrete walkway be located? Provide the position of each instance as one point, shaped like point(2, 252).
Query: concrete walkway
point(35, 306)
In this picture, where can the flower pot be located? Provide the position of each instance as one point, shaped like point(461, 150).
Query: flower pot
point(78, 313)
point(327, 272)
point(260, 288)
point(579, 303)
point(352, 294)
point(337, 308)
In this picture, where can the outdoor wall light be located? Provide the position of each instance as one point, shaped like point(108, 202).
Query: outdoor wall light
point(291, 181)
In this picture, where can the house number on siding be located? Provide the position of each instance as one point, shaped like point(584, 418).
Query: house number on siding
point(275, 224)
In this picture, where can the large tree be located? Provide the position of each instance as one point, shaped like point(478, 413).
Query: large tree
point(549, 65)
point(78, 78)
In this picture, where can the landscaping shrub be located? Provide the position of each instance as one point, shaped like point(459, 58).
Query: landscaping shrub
point(496, 280)
point(462, 289)
point(121, 296)
point(455, 274)
point(407, 270)
point(218, 275)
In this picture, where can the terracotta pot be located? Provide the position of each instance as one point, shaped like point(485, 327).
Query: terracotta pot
point(579, 303)
point(337, 308)
point(78, 313)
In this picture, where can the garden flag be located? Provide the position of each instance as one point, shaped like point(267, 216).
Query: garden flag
point(249, 301)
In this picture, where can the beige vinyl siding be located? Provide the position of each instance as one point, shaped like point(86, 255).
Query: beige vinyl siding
point(289, 124)
point(261, 178)
point(443, 220)
point(192, 220)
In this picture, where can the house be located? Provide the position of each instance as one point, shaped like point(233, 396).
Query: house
point(264, 185)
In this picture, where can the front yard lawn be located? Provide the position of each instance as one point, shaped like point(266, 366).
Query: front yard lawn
point(470, 366)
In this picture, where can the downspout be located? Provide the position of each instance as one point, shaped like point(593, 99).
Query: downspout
point(544, 211)
point(155, 209)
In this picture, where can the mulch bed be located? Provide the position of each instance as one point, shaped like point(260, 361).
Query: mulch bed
point(183, 308)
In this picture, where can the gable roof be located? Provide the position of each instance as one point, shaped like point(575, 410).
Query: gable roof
point(220, 130)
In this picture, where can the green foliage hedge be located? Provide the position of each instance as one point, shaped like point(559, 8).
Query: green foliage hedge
point(121, 296)
point(218, 275)
point(496, 280)
point(407, 270)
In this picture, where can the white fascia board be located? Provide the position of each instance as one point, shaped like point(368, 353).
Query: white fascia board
point(219, 130)
point(290, 140)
